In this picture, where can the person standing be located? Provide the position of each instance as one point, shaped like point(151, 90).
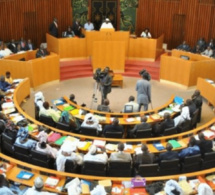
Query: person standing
point(88, 26)
point(53, 28)
point(143, 88)
point(105, 82)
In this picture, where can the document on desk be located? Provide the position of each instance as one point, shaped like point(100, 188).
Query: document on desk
point(24, 175)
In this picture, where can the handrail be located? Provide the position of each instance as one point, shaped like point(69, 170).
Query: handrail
point(24, 93)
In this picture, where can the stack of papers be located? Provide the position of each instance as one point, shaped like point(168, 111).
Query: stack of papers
point(209, 81)
point(99, 143)
point(111, 147)
point(51, 182)
point(129, 120)
point(208, 134)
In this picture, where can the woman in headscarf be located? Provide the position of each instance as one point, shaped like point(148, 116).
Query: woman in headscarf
point(67, 118)
point(39, 99)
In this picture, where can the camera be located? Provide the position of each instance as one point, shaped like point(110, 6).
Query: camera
point(98, 75)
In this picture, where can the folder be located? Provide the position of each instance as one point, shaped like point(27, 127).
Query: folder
point(24, 175)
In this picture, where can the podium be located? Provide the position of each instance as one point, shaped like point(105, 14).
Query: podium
point(184, 72)
point(38, 70)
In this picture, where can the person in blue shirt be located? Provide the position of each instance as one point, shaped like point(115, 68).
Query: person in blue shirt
point(191, 150)
point(4, 86)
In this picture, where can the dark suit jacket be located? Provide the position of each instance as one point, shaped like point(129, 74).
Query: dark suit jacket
point(205, 146)
point(106, 84)
point(141, 126)
point(41, 53)
point(169, 155)
point(28, 47)
point(192, 109)
point(12, 47)
point(144, 158)
point(113, 128)
point(53, 30)
point(165, 125)
point(76, 27)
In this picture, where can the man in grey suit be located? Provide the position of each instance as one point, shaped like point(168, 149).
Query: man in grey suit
point(120, 155)
point(143, 88)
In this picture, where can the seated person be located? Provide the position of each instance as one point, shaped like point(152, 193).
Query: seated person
point(145, 157)
point(106, 24)
point(4, 186)
point(211, 44)
point(23, 140)
point(43, 134)
point(196, 49)
point(69, 33)
point(168, 122)
point(19, 49)
point(88, 26)
point(192, 149)
point(47, 149)
point(8, 78)
point(37, 188)
point(104, 107)
point(208, 52)
point(92, 156)
point(91, 121)
point(72, 98)
point(202, 44)
point(48, 111)
point(76, 27)
point(204, 189)
point(146, 33)
point(12, 46)
point(114, 127)
point(204, 145)
point(4, 86)
point(120, 155)
point(39, 99)
point(131, 102)
point(22, 43)
point(67, 151)
point(169, 154)
point(184, 46)
point(185, 114)
point(41, 52)
point(29, 45)
point(172, 188)
point(142, 126)
point(68, 119)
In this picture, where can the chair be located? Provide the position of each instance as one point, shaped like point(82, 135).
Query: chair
point(146, 133)
point(194, 119)
point(47, 120)
point(128, 108)
point(88, 131)
point(70, 166)
point(21, 153)
point(113, 134)
point(208, 160)
point(7, 145)
point(170, 131)
point(169, 167)
point(63, 126)
point(148, 170)
point(185, 126)
point(94, 168)
point(40, 159)
point(191, 163)
point(36, 111)
point(119, 169)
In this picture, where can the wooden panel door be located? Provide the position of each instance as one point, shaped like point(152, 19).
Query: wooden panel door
point(101, 9)
point(178, 30)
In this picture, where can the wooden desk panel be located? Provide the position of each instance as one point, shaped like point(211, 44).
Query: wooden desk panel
point(28, 55)
point(207, 90)
point(186, 72)
point(109, 53)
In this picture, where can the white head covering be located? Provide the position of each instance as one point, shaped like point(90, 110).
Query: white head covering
point(172, 185)
point(68, 147)
point(39, 96)
point(92, 149)
point(89, 117)
point(107, 20)
point(38, 182)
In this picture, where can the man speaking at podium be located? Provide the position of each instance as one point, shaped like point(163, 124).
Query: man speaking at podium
point(105, 82)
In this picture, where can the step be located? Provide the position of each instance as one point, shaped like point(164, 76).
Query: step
point(75, 62)
point(76, 69)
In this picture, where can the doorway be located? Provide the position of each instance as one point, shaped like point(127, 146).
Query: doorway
point(178, 30)
point(101, 9)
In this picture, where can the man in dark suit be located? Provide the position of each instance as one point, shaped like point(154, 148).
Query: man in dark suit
point(105, 82)
point(184, 46)
point(12, 46)
point(53, 28)
point(192, 107)
point(169, 154)
point(76, 27)
point(41, 52)
point(29, 45)
point(204, 145)
point(114, 127)
point(142, 126)
point(165, 124)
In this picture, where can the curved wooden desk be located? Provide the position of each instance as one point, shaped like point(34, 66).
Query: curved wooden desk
point(23, 91)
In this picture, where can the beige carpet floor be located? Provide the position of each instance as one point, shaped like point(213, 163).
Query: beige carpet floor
point(83, 88)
